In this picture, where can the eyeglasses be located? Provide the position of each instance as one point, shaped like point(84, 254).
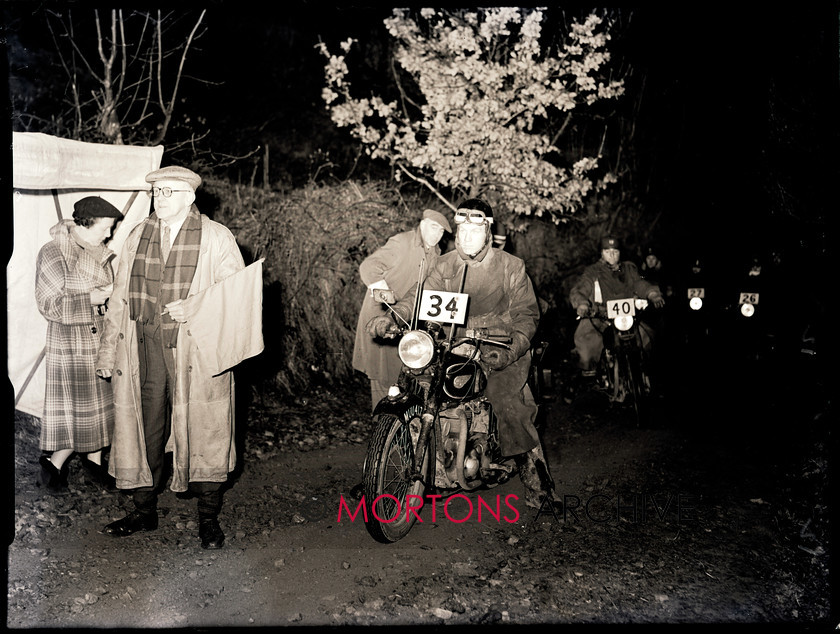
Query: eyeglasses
point(166, 191)
point(472, 216)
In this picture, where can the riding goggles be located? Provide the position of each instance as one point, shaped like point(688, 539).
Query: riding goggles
point(472, 216)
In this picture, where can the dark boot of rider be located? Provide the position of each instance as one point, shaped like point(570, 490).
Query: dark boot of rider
point(536, 478)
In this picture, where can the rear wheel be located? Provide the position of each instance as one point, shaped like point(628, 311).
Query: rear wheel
point(388, 477)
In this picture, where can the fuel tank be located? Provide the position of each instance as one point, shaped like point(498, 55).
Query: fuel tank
point(464, 378)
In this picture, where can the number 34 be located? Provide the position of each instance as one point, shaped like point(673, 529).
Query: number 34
point(444, 306)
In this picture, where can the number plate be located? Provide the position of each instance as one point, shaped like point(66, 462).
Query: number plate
point(748, 298)
point(443, 306)
point(696, 292)
point(619, 307)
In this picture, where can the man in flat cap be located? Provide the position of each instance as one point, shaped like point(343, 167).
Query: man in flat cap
point(396, 265)
point(166, 398)
point(608, 278)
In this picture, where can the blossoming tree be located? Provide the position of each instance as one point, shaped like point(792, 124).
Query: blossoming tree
point(485, 107)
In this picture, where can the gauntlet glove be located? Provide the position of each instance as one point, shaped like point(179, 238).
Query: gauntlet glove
point(657, 300)
point(379, 326)
point(497, 358)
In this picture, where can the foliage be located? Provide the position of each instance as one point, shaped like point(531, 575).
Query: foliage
point(313, 240)
point(122, 75)
point(486, 108)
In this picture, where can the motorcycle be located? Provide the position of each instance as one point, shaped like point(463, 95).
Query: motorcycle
point(750, 336)
point(435, 430)
point(622, 366)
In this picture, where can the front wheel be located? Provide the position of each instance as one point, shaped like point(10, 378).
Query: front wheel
point(388, 480)
point(637, 387)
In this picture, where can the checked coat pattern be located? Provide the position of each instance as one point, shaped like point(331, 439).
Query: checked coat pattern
point(78, 405)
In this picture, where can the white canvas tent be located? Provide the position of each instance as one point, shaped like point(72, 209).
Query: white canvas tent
point(49, 175)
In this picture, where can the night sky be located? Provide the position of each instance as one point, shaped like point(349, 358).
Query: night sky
point(736, 128)
point(739, 104)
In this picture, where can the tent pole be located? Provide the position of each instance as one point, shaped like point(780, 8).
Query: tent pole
point(57, 204)
point(31, 374)
point(130, 202)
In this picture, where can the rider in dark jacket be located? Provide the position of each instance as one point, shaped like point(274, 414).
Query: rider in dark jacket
point(609, 278)
point(501, 297)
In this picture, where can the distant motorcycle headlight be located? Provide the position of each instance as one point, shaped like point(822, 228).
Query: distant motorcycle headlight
point(416, 349)
point(624, 322)
point(747, 310)
point(696, 303)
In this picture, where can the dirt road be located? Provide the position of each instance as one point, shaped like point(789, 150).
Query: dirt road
point(663, 524)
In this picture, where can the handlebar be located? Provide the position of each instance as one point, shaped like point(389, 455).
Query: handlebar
point(484, 335)
point(488, 336)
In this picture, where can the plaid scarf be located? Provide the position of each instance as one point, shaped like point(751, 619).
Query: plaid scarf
point(151, 287)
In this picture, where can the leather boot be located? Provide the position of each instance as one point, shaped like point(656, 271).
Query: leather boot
point(99, 474)
point(210, 532)
point(52, 478)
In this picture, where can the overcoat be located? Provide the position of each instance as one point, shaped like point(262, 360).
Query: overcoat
point(398, 263)
point(78, 405)
point(202, 431)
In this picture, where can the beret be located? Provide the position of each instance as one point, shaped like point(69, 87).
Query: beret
point(175, 173)
point(95, 207)
point(438, 217)
point(610, 242)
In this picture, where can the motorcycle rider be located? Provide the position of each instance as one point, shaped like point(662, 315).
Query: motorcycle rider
point(752, 336)
point(501, 297)
point(655, 271)
point(695, 322)
point(608, 278)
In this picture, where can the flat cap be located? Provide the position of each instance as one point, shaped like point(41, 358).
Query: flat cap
point(175, 173)
point(610, 242)
point(95, 207)
point(438, 217)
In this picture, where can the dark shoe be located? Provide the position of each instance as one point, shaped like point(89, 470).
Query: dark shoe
point(63, 473)
point(131, 523)
point(211, 533)
point(99, 474)
point(51, 477)
point(357, 491)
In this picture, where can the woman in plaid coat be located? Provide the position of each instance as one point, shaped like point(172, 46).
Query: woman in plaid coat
point(74, 279)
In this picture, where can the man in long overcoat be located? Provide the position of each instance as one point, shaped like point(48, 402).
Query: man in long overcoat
point(166, 397)
point(396, 265)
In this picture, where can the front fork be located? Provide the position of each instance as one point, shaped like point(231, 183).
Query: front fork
point(421, 447)
point(431, 407)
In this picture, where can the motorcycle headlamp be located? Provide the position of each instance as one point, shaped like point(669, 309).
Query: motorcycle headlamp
point(416, 349)
point(747, 310)
point(695, 303)
point(624, 322)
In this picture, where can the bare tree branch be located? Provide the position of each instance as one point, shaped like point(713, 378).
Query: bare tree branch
point(426, 184)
